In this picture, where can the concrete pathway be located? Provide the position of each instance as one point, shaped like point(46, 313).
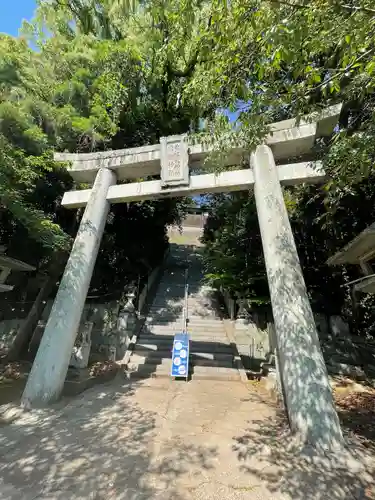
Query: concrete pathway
point(158, 439)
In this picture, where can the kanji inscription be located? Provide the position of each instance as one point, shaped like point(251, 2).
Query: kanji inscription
point(174, 161)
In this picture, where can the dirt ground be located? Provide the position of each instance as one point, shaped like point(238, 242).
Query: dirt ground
point(160, 439)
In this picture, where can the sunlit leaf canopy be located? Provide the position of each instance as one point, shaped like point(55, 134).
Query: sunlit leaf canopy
point(91, 75)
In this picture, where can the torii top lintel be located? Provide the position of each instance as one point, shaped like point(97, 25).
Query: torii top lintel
point(287, 139)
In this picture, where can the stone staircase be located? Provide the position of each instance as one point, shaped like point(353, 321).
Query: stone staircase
point(211, 354)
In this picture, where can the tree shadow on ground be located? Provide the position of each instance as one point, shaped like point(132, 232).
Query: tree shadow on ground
point(98, 446)
point(271, 453)
point(357, 415)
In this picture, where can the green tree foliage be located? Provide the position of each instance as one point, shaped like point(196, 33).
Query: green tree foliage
point(267, 61)
point(25, 158)
point(84, 77)
point(109, 74)
point(233, 251)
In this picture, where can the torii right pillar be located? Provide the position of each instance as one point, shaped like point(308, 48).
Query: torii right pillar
point(307, 391)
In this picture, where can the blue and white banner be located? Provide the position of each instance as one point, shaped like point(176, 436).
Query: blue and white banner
point(180, 355)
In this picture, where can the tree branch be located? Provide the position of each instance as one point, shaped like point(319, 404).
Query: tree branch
point(290, 4)
point(339, 73)
point(358, 8)
point(351, 8)
point(344, 70)
point(188, 69)
point(68, 6)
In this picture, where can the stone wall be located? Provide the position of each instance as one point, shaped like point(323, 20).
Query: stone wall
point(185, 235)
point(102, 315)
point(255, 339)
point(252, 337)
point(195, 220)
point(8, 330)
point(111, 323)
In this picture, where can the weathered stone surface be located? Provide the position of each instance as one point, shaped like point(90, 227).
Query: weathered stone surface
point(8, 330)
point(234, 180)
point(174, 161)
point(322, 325)
point(307, 390)
point(81, 351)
point(252, 342)
point(288, 138)
point(339, 327)
point(356, 249)
point(345, 369)
point(49, 370)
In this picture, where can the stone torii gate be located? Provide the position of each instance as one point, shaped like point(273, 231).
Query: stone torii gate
point(307, 392)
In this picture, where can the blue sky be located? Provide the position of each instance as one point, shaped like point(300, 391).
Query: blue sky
point(12, 12)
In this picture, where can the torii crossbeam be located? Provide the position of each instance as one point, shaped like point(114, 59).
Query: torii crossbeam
point(307, 392)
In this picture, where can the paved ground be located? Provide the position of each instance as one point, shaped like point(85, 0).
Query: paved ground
point(167, 440)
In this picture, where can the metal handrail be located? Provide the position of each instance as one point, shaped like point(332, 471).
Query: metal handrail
point(185, 310)
point(362, 278)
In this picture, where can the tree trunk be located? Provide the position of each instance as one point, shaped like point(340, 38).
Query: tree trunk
point(25, 332)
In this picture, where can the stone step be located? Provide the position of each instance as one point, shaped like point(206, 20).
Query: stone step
point(169, 340)
point(169, 289)
point(178, 293)
point(202, 326)
point(171, 330)
point(194, 291)
point(197, 373)
point(166, 313)
point(195, 278)
point(244, 344)
point(204, 337)
point(169, 313)
point(179, 288)
point(137, 360)
point(174, 321)
point(205, 323)
point(160, 318)
point(179, 279)
point(177, 302)
point(191, 329)
point(208, 347)
point(206, 310)
point(165, 353)
point(168, 300)
point(169, 292)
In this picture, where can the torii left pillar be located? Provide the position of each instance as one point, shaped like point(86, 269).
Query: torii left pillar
point(48, 373)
